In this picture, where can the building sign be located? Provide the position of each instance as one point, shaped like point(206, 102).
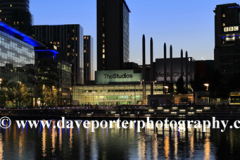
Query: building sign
point(176, 69)
point(106, 77)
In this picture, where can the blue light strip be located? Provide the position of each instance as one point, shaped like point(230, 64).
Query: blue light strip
point(234, 7)
point(230, 36)
point(48, 50)
point(26, 38)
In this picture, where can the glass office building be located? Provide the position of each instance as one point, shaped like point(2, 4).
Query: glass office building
point(17, 57)
point(113, 94)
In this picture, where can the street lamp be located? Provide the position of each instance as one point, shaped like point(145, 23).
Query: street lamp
point(166, 88)
point(141, 82)
point(206, 85)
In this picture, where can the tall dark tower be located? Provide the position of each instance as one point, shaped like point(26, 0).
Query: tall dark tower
point(112, 34)
point(16, 14)
point(227, 41)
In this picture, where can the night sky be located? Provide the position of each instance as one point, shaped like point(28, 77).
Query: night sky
point(187, 25)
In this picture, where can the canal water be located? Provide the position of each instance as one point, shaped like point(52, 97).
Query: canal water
point(113, 144)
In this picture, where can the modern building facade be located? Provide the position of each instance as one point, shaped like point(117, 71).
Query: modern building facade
point(113, 94)
point(53, 72)
point(227, 39)
point(17, 58)
point(112, 34)
point(69, 38)
point(16, 14)
point(88, 58)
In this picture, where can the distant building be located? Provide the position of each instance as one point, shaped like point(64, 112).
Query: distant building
point(16, 14)
point(88, 58)
point(227, 39)
point(112, 34)
point(70, 39)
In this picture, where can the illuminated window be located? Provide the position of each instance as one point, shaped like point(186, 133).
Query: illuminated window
point(103, 56)
point(5, 19)
point(103, 35)
point(225, 29)
point(17, 23)
point(10, 5)
point(230, 29)
point(0, 19)
point(103, 51)
point(51, 42)
point(103, 45)
point(76, 38)
point(0, 10)
point(14, 23)
point(69, 46)
point(73, 38)
point(85, 51)
point(102, 24)
point(230, 39)
point(223, 24)
point(223, 15)
point(223, 42)
point(57, 42)
point(87, 64)
point(102, 18)
point(68, 54)
point(73, 30)
point(22, 22)
point(236, 28)
point(73, 50)
point(76, 55)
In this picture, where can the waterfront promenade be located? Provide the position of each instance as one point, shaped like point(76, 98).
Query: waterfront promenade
point(124, 112)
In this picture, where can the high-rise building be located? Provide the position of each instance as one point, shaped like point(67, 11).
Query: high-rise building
point(88, 58)
point(227, 39)
point(70, 39)
point(16, 14)
point(112, 34)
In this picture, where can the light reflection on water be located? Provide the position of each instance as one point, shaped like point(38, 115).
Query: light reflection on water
point(53, 143)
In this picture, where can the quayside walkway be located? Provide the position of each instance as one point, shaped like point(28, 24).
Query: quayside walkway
point(124, 112)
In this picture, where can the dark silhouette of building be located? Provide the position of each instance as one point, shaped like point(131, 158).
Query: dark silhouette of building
point(88, 58)
point(227, 39)
point(70, 39)
point(16, 14)
point(112, 34)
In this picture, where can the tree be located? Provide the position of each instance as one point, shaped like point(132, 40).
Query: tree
point(180, 86)
point(198, 83)
point(50, 96)
point(22, 94)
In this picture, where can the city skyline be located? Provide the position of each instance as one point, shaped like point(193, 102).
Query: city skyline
point(192, 24)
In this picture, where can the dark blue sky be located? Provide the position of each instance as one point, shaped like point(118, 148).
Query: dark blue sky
point(187, 25)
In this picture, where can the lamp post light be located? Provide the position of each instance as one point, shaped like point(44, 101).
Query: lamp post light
point(166, 89)
point(206, 85)
point(141, 82)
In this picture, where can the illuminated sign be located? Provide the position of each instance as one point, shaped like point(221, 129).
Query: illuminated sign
point(106, 77)
point(176, 69)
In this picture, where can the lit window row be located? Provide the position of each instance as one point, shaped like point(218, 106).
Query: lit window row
point(231, 28)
